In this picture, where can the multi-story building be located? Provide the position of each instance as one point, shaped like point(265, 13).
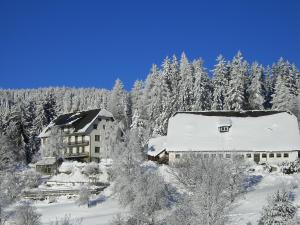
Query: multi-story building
point(84, 134)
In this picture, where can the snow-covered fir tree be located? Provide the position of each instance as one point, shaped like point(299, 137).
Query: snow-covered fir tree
point(282, 98)
point(235, 98)
point(220, 83)
point(202, 87)
point(186, 85)
point(279, 210)
point(118, 101)
point(256, 88)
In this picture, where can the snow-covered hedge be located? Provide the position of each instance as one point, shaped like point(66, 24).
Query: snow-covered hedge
point(290, 167)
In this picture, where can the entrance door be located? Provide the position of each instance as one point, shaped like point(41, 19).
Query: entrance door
point(257, 157)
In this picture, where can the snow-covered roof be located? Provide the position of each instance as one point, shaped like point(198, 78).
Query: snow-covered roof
point(249, 131)
point(156, 145)
point(46, 161)
point(79, 121)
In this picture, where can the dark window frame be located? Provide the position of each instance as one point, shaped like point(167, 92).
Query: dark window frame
point(97, 138)
point(97, 149)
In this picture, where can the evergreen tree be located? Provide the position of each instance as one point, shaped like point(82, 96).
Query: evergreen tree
point(235, 98)
point(186, 96)
point(256, 88)
point(268, 88)
point(279, 210)
point(202, 87)
point(118, 101)
point(282, 98)
point(136, 95)
point(220, 83)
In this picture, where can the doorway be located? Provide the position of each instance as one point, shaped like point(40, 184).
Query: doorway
point(256, 157)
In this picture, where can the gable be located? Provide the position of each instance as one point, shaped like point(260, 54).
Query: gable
point(79, 121)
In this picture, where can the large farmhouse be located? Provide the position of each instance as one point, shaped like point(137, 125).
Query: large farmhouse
point(254, 135)
point(84, 134)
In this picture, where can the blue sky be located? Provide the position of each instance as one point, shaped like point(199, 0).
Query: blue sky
point(92, 43)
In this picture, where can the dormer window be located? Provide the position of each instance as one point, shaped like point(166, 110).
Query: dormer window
point(223, 129)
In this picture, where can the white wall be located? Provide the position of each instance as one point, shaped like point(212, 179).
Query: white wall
point(292, 155)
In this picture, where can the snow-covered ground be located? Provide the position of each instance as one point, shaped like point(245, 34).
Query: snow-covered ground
point(246, 209)
point(105, 208)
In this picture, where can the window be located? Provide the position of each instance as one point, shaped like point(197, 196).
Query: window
point(103, 127)
point(199, 155)
point(99, 119)
point(264, 155)
point(228, 156)
point(271, 155)
point(278, 155)
point(248, 155)
point(224, 129)
point(286, 155)
point(220, 155)
point(97, 149)
point(95, 126)
point(97, 137)
point(213, 155)
point(206, 155)
point(177, 156)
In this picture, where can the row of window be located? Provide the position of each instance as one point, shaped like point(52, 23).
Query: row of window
point(271, 155)
point(227, 155)
point(81, 150)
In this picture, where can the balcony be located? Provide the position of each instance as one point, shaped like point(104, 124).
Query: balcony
point(76, 155)
point(77, 143)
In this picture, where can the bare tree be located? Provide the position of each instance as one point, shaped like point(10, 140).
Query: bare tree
point(211, 186)
point(26, 215)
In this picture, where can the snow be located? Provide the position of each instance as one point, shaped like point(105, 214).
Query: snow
point(75, 176)
point(105, 113)
point(46, 161)
point(104, 209)
point(45, 131)
point(197, 132)
point(249, 206)
point(156, 145)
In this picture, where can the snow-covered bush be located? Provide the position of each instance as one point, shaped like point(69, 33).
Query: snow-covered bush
point(279, 210)
point(84, 196)
point(290, 167)
point(31, 178)
point(91, 169)
point(67, 221)
point(26, 215)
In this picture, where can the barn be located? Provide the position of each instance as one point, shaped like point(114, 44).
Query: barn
point(259, 136)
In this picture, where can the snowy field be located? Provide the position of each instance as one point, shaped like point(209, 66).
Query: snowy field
point(104, 210)
point(246, 209)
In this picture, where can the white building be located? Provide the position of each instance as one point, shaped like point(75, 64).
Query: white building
point(84, 134)
point(254, 135)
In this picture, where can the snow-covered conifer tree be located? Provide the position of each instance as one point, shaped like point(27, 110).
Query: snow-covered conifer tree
point(186, 85)
point(220, 83)
point(118, 101)
point(282, 98)
point(280, 210)
point(235, 98)
point(256, 88)
point(202, 87)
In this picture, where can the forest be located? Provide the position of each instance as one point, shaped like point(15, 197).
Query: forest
point(175, 85)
